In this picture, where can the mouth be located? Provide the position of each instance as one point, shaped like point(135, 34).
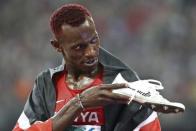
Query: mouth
point(91, 62)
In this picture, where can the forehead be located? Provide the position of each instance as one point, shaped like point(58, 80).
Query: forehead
point(81, 33)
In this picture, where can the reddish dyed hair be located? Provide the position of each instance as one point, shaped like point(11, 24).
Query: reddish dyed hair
point(70, 14)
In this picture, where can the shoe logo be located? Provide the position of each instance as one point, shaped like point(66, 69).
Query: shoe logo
point(148, 94)
point(144, 94)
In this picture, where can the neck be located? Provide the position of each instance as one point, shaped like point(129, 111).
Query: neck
point(76, 74)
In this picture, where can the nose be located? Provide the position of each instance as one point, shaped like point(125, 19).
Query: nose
point(90, 51)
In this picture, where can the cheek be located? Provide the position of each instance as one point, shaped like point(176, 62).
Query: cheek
point(67, 56)
point(76, 57)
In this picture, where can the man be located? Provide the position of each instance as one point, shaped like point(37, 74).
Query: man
point(78, 94)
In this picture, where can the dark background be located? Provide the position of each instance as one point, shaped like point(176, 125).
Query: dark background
point(156, 38)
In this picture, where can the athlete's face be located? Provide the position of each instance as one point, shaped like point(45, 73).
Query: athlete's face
point(80, 47)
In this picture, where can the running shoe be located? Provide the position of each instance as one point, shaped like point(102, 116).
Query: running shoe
point(146, 93)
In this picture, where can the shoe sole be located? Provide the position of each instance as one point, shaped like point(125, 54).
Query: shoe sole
point(162, 108)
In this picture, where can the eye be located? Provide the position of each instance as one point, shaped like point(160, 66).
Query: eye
point(79, 46)
point(94, 40)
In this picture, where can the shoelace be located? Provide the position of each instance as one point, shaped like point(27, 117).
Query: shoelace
point(133, 96)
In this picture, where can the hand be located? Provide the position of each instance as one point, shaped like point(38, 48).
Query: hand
point(99, 95)
point(102, 95)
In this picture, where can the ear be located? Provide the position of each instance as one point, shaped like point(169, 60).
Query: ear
point(56, 45)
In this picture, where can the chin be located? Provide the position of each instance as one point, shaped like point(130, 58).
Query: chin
point(90, 70)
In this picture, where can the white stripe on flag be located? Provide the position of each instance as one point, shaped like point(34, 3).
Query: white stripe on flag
point(151, 118)
point(23, 121)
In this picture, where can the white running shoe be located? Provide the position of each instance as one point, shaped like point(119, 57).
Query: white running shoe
point(145, 92)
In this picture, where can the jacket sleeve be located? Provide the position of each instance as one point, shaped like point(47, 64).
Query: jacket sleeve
point(35, 115)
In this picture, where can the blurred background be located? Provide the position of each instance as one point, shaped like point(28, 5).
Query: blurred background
point(156, 38)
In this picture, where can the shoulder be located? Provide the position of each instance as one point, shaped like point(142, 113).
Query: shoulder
point(50, 72)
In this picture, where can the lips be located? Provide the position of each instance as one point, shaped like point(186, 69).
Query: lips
point(91, 62)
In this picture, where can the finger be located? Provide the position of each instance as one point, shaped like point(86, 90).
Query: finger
point(114, 101)
point(115, 96)
point(123, 102)
point(114, 86)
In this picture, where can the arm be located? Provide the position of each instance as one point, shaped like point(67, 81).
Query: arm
point(95, 96)
point(63, 118)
